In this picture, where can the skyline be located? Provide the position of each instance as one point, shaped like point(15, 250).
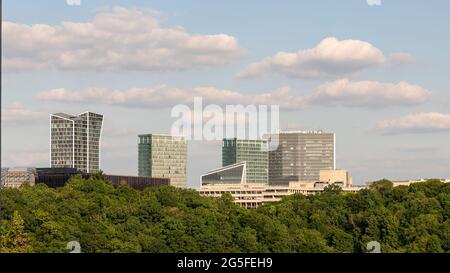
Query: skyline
point(380, 83)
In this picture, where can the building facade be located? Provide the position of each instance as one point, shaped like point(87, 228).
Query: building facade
point(75, 141)
point(255, 195)
point(163, 156)
point(253, 152)
point(58, 177)
point(16, 177)
point(301, 155)
point(336, 176)
point(136, 182)
point(231, 174)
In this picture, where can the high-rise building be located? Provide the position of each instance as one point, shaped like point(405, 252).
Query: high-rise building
point(75, 141)
point(163, 156)
point(253, 152)
point(301, 155)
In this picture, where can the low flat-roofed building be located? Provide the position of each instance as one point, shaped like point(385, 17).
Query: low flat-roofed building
point(17, 176)
point(252, 195)
point(246, 195)
point(397, 183)
point(58, 177)
point(136, 182)
point(412, 181)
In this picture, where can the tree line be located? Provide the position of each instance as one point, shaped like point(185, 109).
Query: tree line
point(104, 218)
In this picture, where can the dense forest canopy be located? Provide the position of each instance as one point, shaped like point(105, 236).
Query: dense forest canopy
point(103, 218)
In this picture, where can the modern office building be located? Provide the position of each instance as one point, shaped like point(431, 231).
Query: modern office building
point(253, 152)
point(301, 155)
point(16, 177)
point(75, 141)
point(163, 156)
point(231, 174)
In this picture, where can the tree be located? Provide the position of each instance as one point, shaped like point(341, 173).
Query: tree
point(104, 218)
point(382, 186)
point(14, 238)
point(332, 188)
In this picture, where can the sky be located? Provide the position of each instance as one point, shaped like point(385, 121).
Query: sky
point(374, 72)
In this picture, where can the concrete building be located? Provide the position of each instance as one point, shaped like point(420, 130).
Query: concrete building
point(75, 141)
point(336, 176)
point(301, 155)
point(16, 177)
point(163, 156)
point(253, 152)
point(231, 174)
point(253, 195)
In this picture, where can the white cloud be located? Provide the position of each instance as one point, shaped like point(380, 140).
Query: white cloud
point(330, 58)
point(401, 58)
point(373, 2)
point(370, 94)
point(120, 39)
point(424, 122)
point(17, 113)
point(164, 96)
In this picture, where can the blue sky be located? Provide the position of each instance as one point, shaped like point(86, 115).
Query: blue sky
point(404, 136)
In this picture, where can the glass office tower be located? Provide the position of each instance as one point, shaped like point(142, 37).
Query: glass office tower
point(75, 141)
point(301, 155)
point(163, 156)
point(253, 152)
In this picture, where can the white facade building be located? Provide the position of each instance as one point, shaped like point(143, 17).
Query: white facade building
point(75, 141)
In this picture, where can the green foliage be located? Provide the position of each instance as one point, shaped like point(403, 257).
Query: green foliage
point(166, 219)
point(14, 239)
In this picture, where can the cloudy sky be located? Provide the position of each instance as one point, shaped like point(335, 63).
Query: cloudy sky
point(376, 75)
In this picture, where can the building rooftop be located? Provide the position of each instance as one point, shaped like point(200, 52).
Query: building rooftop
point(303, 132)
point(165, 135)
point(241, 163)
point(64, 115)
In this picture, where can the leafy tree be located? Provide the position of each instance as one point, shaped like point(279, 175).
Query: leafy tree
point(14, 238)
point(104, 218)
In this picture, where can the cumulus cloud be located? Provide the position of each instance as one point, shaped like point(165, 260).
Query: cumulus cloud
point(330, 58)
point(401, 58)
point(424, 122)
point(366, 94)
point(165, 96)
point(17, 113)
point(119, 39)
point(370, 94)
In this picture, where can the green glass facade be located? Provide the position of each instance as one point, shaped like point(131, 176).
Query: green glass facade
point(163, 156)
point(253, 152)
